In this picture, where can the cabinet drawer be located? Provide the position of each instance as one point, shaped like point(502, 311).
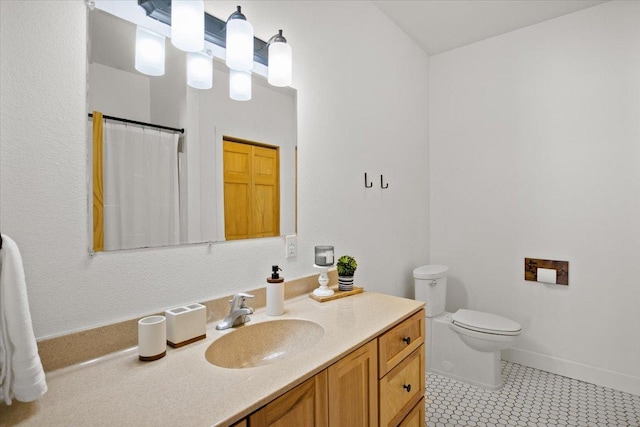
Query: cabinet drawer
point(395, 344)
point(415, 417)
point(402, 388)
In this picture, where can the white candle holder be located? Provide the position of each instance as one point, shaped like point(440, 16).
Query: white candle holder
point(323, 280)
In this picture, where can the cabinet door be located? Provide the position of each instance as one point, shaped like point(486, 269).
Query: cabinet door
point(304, 406)
point(353, 388)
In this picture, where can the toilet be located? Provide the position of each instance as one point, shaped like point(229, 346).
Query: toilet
point(464, 345)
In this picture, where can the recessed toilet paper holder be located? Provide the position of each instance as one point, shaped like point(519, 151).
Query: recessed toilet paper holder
point(531, 266)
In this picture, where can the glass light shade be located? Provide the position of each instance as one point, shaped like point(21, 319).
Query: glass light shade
point(240, 85)
point(149, 52)
point(279, 64)
point(199, 70)
point(239, 45)
point(187, 25)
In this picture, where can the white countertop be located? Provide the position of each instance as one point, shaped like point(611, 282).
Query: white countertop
point(184, 389)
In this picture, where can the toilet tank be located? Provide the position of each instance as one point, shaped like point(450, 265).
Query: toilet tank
point(431, 287)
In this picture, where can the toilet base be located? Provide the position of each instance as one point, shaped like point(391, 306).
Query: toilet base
point(446, 354)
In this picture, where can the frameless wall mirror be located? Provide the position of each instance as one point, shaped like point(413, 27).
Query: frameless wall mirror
point(229, 175)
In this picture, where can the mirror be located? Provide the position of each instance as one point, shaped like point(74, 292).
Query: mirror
point(231, 174)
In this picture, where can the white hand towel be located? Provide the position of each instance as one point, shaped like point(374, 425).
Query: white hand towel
point(21, 373)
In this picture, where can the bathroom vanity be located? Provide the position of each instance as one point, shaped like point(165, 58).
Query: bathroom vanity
point(366, 367)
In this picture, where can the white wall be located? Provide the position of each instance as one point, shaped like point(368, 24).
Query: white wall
point(535, 152)
point(119, 93)
point(362, 102)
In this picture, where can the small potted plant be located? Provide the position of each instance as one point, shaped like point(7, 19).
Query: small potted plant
point(346, 266)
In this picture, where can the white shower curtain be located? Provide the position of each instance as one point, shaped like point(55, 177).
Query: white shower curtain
point(141, 195)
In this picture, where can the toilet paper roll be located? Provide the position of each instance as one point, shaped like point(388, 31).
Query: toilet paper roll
point(547, 275)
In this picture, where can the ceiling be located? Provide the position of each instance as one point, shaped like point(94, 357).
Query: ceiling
point(441, 25)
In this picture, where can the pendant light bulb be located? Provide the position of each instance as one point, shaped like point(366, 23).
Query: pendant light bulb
point(239, 49)
point(187, 25)
point(240, 85)
point(149, 52)
point(280, 61)
point(199, 70)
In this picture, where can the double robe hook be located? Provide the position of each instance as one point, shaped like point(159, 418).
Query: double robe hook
point(368, 184)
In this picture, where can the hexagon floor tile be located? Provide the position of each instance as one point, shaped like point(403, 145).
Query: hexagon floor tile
point(529, 398)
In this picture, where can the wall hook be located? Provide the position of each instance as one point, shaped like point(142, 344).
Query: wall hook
point(382, 184)
point(367, 184)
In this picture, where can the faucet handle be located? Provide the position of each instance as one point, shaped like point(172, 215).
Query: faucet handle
point(244, 295)
point(238, 299)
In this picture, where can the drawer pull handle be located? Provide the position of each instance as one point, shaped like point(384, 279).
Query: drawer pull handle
point(407, 340)
point(407, 387)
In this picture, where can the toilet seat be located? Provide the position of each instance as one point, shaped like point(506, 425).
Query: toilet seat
point(485, 323)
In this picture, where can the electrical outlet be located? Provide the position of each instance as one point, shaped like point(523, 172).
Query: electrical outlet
point(291, 246)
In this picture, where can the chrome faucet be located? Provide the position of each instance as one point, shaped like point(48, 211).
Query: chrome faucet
point(238, 313)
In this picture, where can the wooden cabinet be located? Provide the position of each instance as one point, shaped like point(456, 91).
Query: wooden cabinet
point(402, 388)
point(402, 372)
point(353, 388)
point(303, 406)
point(415, 417)
point(380, 383)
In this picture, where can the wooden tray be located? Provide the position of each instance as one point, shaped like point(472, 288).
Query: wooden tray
point(337, 294)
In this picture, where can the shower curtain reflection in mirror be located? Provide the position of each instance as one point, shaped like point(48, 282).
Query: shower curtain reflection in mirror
point(141, 187)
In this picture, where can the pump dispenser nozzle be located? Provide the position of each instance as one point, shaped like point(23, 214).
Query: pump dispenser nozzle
point(275, 277)
point(275, 269)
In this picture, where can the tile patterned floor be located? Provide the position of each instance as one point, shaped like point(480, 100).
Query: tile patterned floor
point(530, 397)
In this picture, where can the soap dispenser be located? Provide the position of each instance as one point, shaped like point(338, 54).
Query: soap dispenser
point(275, 293)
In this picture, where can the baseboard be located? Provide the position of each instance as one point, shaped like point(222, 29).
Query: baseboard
point(576, 370)
point(467, 380)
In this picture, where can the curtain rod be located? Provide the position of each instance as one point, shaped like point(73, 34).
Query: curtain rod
point(135, 122)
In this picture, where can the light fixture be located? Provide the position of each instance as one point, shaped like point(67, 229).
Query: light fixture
point(240, 85)
point(239, 40)
point(236, 38)
point(199, 70)
point(279, 70)
point(149, 52)
point(187, 25)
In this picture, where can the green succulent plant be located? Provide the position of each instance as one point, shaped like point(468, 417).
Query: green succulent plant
point(346, 265)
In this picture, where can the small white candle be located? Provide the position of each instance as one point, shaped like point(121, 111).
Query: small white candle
point(324, 255)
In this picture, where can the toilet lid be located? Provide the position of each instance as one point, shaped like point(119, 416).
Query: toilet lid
point(430, 271)
point(485, 322)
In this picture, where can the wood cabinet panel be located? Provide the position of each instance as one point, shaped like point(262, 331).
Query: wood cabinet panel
point(304, 406)
point(353, 388)
point(399, 342)
point(402, 388)
point(415, 417)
